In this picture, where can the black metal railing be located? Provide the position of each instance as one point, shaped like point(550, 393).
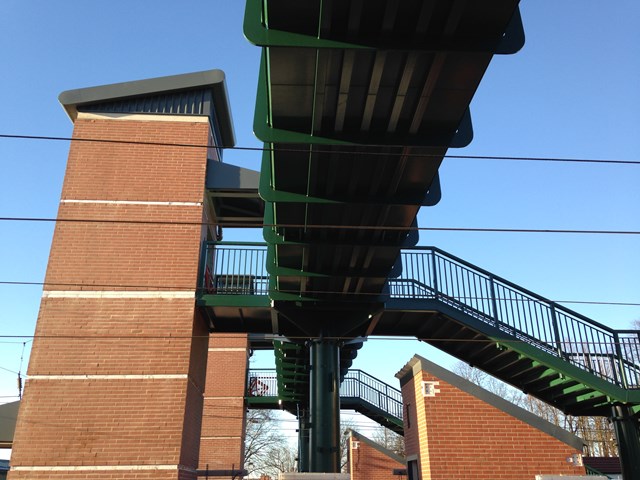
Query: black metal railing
point(359, 384)
point(234, 269)
point(356, 384)
point(430, 273)
point(262, 382)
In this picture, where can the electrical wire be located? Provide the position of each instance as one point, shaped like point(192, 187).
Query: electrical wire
point(126, 287)
point(325, 227)
point(346, 152)
point(136, 338)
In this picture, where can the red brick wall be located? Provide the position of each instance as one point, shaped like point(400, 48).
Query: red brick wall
point(119, 307)
point(223, 423)
point(462, 437)
point(369, 463)
point(416, 444)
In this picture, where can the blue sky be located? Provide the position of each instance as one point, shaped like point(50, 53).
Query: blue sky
point(571, 92)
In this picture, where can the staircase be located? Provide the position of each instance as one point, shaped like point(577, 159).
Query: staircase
point(551, 352)
point(566, 359)
point(359, 391)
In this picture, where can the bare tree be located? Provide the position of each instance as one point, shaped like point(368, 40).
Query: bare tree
point(490, 383)
point(345, 426)
point(281, 458)
point(266, 449)
point(389, 440)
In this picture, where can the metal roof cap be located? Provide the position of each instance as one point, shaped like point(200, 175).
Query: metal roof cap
point(213, 79)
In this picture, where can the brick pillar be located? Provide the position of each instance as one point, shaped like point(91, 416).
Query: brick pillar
point(223, 422)
point(118, 363)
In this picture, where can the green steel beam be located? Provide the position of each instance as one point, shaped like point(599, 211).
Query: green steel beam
point(324, 407)
point(627, 432)
point(256, 30)
point(221, 300)
point(532, 352)
point(263, 126)
point(262, 123)
point(269, 192)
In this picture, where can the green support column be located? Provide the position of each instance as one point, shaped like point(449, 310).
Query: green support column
point(628, 436)
point(303, 441)
point(324, 439)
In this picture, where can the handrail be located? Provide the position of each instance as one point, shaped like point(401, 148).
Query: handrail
point(356, 384)
point(233, 268)
point(237, 268)
point(430, 273)
point(590, 471)
point(511, 284)
point(361, 385)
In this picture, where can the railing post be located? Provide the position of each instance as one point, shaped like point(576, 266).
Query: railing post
point(203, 267)
point(434, 274)
point(556, 330)
point(494, 301)
point(620, 362)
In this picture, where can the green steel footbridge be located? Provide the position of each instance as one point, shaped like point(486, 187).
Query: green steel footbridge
point(358, 102)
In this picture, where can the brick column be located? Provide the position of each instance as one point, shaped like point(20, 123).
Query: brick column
point(118, 363)
point(223, 422)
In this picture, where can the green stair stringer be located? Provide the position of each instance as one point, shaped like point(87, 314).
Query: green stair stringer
point(610, 392)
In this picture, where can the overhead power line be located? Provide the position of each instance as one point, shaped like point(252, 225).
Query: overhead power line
point(347, 152)
point(135, 338)
point(327, 226)
point(127, 287)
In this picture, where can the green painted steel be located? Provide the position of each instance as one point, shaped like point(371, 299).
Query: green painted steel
point(627, 429)
point(594, 472)
point(303, 441)
point(532, 339)
point(359, 391)
point(263, 119)
point(255, 21)
point(257, 32)
point(324, 407)
point(336, 81)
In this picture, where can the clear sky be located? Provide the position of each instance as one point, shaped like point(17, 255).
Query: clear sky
point(573, 91)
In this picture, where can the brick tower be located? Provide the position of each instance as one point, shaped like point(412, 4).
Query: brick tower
point(117, 371)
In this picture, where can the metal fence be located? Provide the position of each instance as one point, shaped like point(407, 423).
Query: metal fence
point(430, 273)
point(361, 385)
point(235, 269)
point(356, 384)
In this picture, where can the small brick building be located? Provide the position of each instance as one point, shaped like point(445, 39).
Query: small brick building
point(370, 461)
point(457, 430)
